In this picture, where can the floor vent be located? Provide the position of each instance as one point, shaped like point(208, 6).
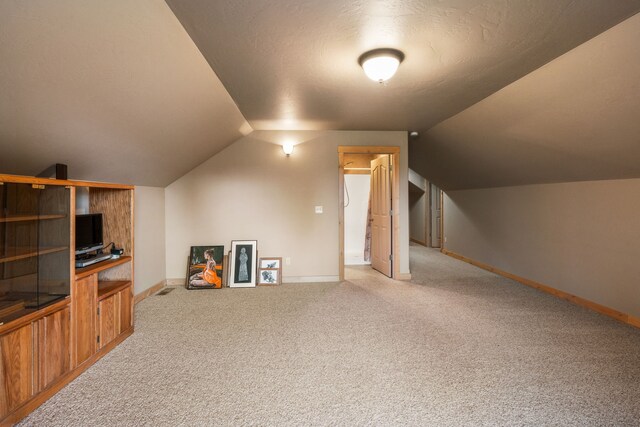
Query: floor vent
point(164, 291)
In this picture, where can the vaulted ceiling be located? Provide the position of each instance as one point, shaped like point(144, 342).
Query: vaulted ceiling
point(144, 91)
point(293, 63)
point(576, 118)
point(115, 89)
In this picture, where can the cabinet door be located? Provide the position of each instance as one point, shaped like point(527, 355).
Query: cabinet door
point(16, 368)
point(53, 346)
point(85, 295)
point(109, 319)
point(125, 310)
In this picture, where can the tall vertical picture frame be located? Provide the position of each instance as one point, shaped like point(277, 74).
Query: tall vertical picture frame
point(243, 263)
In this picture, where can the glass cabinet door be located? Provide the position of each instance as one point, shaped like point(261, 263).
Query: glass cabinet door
point(54, 225)
point(34, 247)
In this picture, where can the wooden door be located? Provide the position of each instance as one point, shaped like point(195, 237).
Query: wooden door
point(109, 319)
point(54, 346)
point(85, 296)
point(381, 215)
point(16, 368)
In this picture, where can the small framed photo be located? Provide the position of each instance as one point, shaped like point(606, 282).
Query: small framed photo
point(243, 263)
point(270, 271)
point(270, 263)
point(205, 267)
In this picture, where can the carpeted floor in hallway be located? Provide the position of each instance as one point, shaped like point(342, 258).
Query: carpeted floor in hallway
point(456, 346)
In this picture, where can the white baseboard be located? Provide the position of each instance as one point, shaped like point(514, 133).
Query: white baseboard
point(175, 282)
point(285, 279)
point(310, 279)
point(404, 276)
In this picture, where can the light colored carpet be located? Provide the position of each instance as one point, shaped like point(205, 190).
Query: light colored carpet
point(459, 346)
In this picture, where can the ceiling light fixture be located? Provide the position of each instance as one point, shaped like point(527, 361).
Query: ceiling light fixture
point(381, 64)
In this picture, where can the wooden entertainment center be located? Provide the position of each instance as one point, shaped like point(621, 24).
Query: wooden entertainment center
point(56, 320)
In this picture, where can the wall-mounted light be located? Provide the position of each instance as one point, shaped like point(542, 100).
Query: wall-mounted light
point(381, 64)
point(287, 147)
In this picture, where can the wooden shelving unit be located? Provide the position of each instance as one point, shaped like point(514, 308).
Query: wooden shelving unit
point(83, 313)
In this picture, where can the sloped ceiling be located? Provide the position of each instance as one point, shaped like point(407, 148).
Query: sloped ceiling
point(292, 64)
point(576, 118)
point(119, 91)
point(115, 89)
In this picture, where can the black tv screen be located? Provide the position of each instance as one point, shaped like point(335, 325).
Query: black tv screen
point(88, 233)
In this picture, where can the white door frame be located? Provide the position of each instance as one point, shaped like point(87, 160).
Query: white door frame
point(394, 152)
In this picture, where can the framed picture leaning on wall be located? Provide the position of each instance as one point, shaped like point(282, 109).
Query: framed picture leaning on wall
point(243, 263)
point(205, 267)
point(269, 271)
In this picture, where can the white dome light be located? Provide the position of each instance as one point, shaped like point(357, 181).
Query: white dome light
point(381, 64)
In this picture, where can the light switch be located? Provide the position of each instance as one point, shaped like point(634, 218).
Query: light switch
point(318, 209)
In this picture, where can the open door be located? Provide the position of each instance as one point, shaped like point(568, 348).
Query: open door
point(381, 215)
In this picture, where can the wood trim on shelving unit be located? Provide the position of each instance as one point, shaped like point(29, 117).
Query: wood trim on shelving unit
point(593, 306)
point(20, 179)
point(132, 213)
point(101, 266)
point(109, 185)
point(73, 281)
point(36, 314)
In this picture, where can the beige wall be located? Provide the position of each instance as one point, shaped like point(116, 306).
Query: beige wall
point(251, 190)
point(417, 216)
point(418, 205)
point(149, 237)
point(582, 238)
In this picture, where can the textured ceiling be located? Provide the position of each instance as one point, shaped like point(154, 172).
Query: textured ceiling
point(119, 91)
point(292, 64)
point(576, 118)
point(115, 89)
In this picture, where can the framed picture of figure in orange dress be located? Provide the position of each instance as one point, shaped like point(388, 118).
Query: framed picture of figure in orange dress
point(205, 267)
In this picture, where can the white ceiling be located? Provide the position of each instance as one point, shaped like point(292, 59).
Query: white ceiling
point(292, 64)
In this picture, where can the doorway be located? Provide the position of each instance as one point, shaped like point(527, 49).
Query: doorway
point(380, 165)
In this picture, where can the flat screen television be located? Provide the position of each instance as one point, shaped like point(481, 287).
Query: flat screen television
point(88, 233)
